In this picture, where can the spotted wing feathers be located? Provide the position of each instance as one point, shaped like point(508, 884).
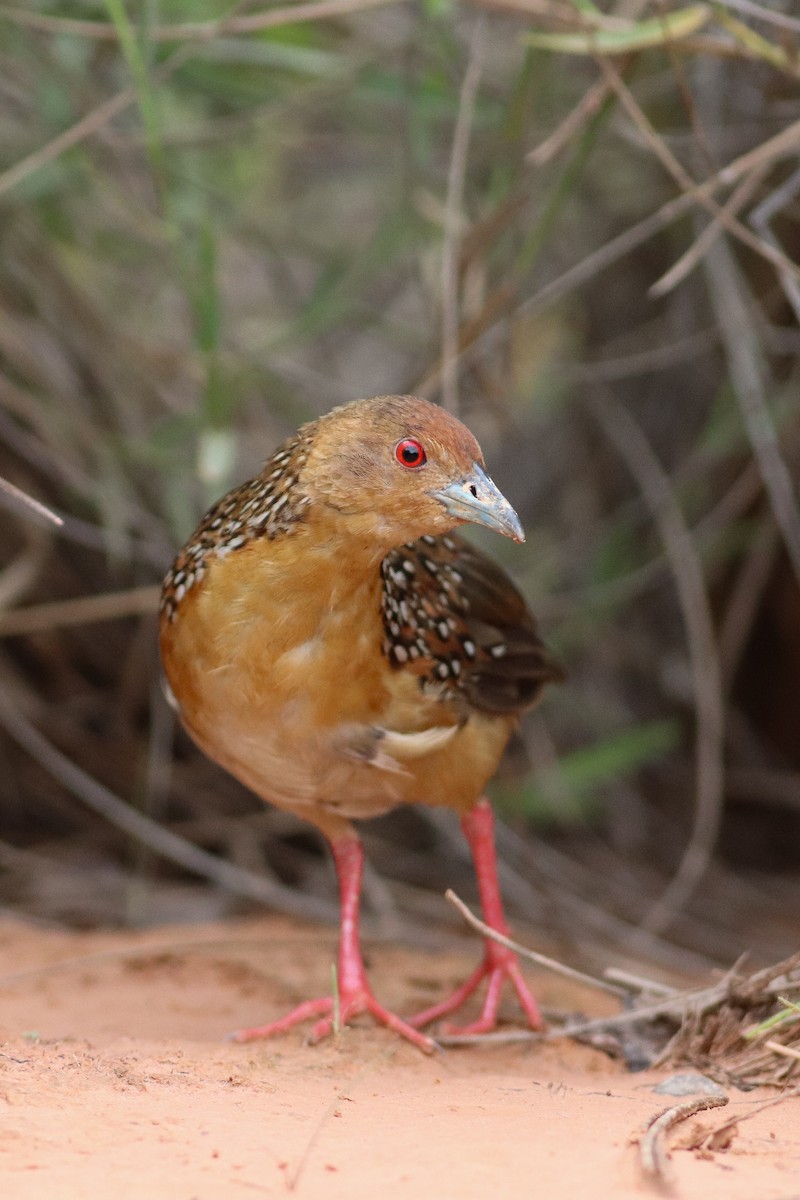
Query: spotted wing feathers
point(454, 618)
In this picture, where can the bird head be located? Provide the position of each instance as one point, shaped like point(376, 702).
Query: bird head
point(396, 467)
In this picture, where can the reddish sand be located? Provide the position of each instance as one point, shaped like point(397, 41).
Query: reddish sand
point(115, 1081)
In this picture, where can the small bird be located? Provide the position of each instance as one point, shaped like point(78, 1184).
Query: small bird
point(331, 642)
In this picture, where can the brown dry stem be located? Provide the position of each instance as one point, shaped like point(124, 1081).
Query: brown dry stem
point(653, 1153)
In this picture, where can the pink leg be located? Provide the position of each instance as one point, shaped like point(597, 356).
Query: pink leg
point(498, 963)
point(355, 995)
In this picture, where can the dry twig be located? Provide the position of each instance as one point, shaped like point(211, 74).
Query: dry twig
point(710, 1023)
point(23, 501)
point(653, 1153)
point(661, 151)
point(541, 960)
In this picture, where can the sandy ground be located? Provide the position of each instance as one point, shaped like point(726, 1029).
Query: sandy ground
point(115, 1081)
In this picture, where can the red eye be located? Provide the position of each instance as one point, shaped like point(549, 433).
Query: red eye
point(409, 453)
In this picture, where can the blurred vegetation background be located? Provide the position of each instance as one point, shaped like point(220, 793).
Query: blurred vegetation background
point(578, 226)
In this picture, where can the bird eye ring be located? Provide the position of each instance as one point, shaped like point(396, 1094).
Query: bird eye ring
point(409, 453)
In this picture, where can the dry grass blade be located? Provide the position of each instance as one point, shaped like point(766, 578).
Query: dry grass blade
point(625, 434)
point(746, 594)
point(272, 18)
point(762, 13)
point(21, 500)
point(90, 124)
point(83, 610)
point(786, 1051)
point(761, 218)
point(453, 216)
point(84, 128)
point(745, 357)
point(571, 126)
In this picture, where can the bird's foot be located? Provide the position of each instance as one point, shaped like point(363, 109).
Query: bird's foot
point(499, 965)
point(349, 1005)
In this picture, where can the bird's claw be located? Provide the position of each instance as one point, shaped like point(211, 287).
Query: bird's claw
point(366, 1003)
point(498, 966)
point(331, 1020)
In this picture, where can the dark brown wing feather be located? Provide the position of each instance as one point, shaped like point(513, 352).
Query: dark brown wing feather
point(453, 617)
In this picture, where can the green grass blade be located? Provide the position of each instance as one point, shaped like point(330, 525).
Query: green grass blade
point(644, 35)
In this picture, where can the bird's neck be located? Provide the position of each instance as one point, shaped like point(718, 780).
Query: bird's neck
point(357, 541)
point(294, 582)
point(365, 534)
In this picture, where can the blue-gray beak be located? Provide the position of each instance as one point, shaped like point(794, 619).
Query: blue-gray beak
point(477, 499)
